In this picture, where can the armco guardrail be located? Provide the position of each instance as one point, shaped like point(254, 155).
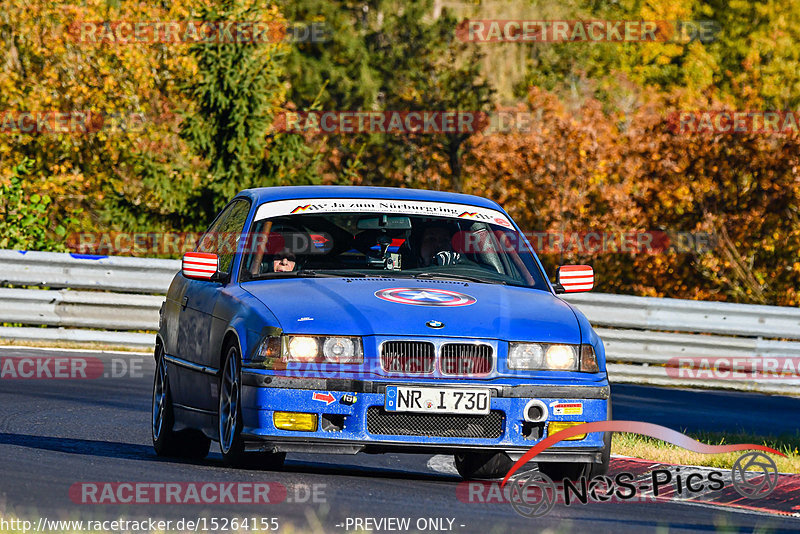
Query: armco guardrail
point(641, 334)
point(85, 309)
point(75, 312)
point(78, 271)
point(622, 311)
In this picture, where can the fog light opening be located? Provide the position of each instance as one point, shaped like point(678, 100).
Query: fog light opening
point(533, 431)
point(332, 422)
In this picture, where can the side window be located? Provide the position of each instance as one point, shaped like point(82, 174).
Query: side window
point(224, 234)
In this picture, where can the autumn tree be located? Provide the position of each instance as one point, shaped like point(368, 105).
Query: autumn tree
point(234, 97)
point(579, 170)
point(391, 56)
point(48, 68)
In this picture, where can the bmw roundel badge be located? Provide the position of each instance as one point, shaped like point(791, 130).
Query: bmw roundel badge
point(435, 324)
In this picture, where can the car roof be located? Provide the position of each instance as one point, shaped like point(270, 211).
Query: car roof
point(267, 194)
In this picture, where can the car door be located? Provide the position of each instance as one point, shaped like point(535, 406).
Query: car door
point(198, 387)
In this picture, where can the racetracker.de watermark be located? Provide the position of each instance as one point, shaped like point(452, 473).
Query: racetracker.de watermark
point(582, 31)
point(139, 32)
point(414, 122)
point(204, 493)
point(50, 122)
point(595, 242)
point(733, 368)
point(176, 243)
point(734, 122)
point(69, 367)
point(387, 122)
point(81, 122)
point(622, 487)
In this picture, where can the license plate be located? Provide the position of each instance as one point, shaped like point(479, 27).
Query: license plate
point(437, 400)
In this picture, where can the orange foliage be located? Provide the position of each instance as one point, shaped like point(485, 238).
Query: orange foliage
point(581, 170)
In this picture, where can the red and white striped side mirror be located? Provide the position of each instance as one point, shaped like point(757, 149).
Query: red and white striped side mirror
point(575, 278)
point(200, 265)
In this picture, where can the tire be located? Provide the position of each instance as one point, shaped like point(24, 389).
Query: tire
point(229, 419)
point(558, 471)
point(482, 465)
point(602, 468)
point(167, 442)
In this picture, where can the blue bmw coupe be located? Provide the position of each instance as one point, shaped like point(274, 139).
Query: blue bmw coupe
point(350, 319)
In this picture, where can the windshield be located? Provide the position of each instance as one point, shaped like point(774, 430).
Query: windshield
point(394, 245)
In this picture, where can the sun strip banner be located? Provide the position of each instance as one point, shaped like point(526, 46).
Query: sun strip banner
point(368, 205)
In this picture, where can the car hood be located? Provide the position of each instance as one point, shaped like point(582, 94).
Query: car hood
point(340, 306)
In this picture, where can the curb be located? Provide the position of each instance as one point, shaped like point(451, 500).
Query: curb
point(784, 499)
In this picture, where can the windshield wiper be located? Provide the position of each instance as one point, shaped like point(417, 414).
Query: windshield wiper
point(453, 276)
point(308, 273)
point(338, 273)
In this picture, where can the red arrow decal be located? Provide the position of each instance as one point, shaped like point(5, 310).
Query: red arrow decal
point(327, 398)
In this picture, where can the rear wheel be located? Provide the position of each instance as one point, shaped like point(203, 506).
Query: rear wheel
point(187, 443)
point(230, 419)
point(482, 465)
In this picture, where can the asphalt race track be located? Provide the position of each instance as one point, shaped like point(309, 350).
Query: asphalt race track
point(56, 433)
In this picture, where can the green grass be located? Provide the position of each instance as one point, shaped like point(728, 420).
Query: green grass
point(653, 449)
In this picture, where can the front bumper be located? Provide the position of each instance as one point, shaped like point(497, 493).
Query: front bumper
point(354, 404)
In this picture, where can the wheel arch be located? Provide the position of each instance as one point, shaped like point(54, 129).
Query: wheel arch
point(231, 337)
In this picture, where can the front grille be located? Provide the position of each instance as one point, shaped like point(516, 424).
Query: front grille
point(408, 357)
point(381, 422)
point(464, 359)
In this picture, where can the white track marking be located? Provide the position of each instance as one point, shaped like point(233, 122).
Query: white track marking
point(98, 351)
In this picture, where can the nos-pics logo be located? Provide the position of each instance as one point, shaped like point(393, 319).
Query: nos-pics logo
point(532, 493)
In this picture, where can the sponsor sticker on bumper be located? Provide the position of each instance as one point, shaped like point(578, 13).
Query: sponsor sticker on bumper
point(567, 408)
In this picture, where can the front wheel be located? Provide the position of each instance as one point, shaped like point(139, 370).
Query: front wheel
point(482, 465)
point(229, 417)
point(558, 471)
point(229, 414)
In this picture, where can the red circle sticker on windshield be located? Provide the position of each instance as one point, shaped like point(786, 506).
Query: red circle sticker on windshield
point(425, 297)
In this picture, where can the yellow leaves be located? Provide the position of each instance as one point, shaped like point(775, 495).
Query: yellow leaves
point(70, 76)
point(668, 10)
point(598, 178)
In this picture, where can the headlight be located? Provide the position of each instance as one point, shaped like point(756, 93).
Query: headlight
point(303, 349)
point(343, 350)
point(323, 349)
point(525, 356)
point(545, 357)
point(562, 357)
